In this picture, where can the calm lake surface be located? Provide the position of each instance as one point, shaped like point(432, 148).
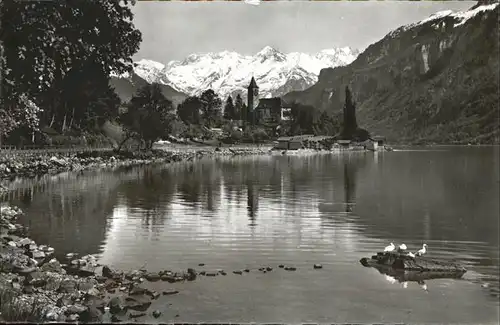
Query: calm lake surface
point(249, 212)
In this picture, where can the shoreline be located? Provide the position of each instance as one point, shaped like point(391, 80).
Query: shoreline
point(33, 164)
point(36, 287)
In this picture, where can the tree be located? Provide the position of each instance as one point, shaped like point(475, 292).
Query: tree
point(189, 110)
point(238, 107)
point(17, 112)
point(229, 109)
point(244, 113)
point(211, 107)
point(149, 116)
point(350, 124)
point(45, 41)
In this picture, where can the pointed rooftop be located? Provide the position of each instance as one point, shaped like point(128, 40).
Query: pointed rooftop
point(252, 84)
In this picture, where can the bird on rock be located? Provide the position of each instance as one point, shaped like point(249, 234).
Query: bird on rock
point(390, 248)
point(402, 247)
point(423, 250)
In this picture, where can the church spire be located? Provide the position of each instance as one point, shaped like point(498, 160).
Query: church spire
point(253, 84)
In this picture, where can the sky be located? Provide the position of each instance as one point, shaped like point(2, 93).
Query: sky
point(174, 30)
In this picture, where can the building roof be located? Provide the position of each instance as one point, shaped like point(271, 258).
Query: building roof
point(252, 84)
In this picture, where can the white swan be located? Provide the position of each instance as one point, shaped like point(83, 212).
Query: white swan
point(411, 254)
point(423, 250)
point(390, 248)
point(403, 247)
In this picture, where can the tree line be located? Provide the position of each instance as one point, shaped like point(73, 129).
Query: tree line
point(56, 58)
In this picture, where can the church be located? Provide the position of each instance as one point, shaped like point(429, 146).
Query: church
point(266, 111)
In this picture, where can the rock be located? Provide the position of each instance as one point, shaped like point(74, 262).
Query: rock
point(156, 313)
point(32, 247)
point(290, 268)
point(53, 281)
point(86, 284)
point(116, 305)
point(100, 279)
point(69, 256)
point(91, 315)
point(246, 270)
point(63, 301)
point(110, 273)
point(281, 266)
point(201, 264)
point(152, 277)
point(93, 292)
point(73, 318)
point(138, 290)
point(238, 272)
point(52, 266)
point(191, 274)
point(12, 244)
point(269, 268)
point(94, 301)
point(170, 292)
point(116, 319)
point(24, 241)
point(36, 279)
point(222, 273)
point(138, 302)
point(137, 314)
point(28, 289)
point(211, 274)
point(154, 294)
point(318, 266)
point(68, 286)
point(38, 254)
point(76, 309)
point(23, 270)
point(53, 314)
point(16, 286)
point(84, 271)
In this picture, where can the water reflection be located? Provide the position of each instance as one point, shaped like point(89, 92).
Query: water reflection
point(333, 209)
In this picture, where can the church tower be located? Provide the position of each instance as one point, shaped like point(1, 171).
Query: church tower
point(253, 98)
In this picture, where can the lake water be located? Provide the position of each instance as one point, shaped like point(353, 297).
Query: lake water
point(249, 212)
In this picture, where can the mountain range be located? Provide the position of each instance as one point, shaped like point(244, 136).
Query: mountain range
point(433, 81)
point(229, 73)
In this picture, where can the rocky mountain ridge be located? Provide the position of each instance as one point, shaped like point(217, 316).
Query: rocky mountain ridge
point(435, 81)
point(229, 73)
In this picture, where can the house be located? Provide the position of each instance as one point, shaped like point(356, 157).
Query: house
point(292, 143)
point(268, 111)
point(344, 144)
point(379, 140)
point(295, 144)
point(283, 143)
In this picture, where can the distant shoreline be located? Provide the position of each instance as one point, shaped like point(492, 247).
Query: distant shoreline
point(31, 163)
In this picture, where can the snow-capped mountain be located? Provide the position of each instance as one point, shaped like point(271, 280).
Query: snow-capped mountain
point(229, 73)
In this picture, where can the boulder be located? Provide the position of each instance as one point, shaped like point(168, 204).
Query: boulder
point(138, 302)
point(117, 305)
